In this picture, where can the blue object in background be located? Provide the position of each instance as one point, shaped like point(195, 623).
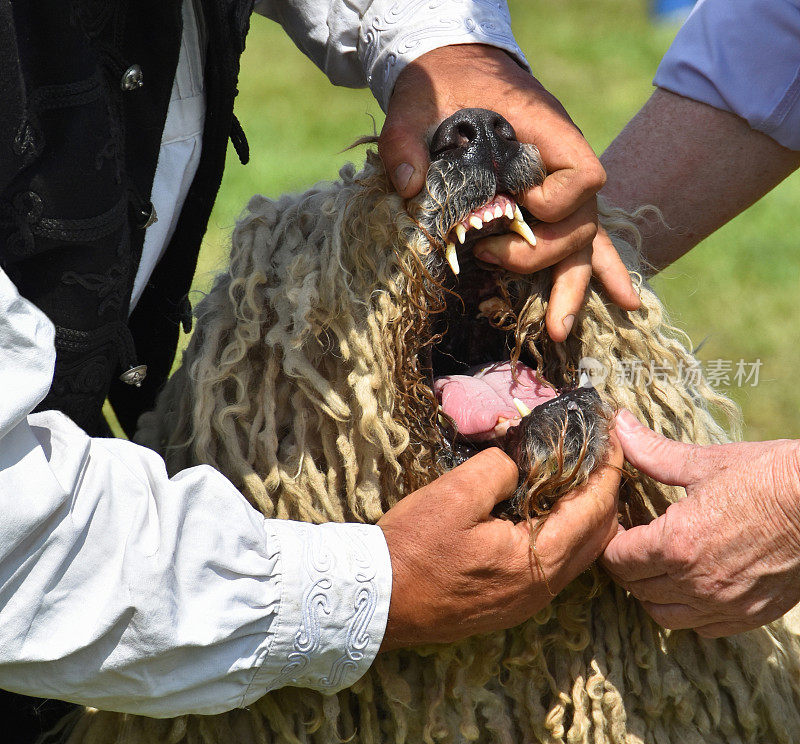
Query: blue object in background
point(671, 11)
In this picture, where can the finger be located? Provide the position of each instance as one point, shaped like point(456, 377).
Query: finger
point(660, 590)
point(582, 522)
point(563, 191)
point(612, 273)
point(553, 243)
point(574, 172)
point(676, 616)
point(482, 482)
point(670, 462)
point(570, 280)
point(636, 553)
point(720, 630)
point(404, 152)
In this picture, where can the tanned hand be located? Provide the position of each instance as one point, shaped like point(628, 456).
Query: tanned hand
point(458, 571)
point(725, 559)
point(473, 75)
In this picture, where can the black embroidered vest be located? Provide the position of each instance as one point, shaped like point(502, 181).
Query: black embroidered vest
point(84, 87)
point(84, 90)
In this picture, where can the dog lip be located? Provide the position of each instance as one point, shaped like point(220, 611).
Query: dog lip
point(500, 206)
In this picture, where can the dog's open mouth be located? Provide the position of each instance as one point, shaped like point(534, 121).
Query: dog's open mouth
point(484, 404)
point(500, 215)
point(473, 188)
point(485, 399)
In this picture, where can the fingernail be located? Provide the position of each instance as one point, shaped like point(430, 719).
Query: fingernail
point(625, 421)
point(489, 258)
point(567, 322)
point(402, 176)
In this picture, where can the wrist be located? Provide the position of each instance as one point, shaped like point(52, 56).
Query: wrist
point(386, 47)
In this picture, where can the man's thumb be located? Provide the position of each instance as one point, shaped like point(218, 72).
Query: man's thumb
point(663, 459)
point(483, 481)
point(404, 153)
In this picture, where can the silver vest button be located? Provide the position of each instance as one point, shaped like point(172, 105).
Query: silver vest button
point(135, 375)
point(132, 78)
point(149, 216)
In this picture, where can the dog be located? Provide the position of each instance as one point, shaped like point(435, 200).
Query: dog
point(332, 372)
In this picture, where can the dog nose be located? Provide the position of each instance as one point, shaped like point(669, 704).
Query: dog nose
point(476, 136)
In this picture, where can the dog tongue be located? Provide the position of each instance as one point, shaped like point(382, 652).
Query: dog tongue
point(479, 402)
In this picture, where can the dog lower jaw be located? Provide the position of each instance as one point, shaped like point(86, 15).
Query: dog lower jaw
point(556, 445)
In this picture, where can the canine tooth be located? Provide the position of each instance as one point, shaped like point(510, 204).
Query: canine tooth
point(461, 233)
point(476, 222)
point(452, 257)
point(521, 407)
point(520, 227)
point(518, 213)
point(509, 211)
point(498, 211)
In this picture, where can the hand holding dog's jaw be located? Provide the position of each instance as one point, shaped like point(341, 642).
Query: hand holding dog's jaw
point(436, 85)
point(727, 558)
point(458, 571)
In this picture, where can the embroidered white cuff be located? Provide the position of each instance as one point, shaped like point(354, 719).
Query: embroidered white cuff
point(335, 592)
point(394, 34)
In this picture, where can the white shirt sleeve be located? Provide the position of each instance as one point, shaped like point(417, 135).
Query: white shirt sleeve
point(369, 42)
point(741, 56)
point(127, 590)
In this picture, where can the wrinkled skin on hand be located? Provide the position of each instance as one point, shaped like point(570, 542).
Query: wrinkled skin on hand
point(432, 88)
point(458, 571)
point(727, 558)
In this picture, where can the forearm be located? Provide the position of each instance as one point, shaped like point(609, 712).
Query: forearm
point(128, 590)
point(699, 165)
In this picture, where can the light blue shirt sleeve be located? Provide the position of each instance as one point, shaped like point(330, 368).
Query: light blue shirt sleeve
point(741, 56)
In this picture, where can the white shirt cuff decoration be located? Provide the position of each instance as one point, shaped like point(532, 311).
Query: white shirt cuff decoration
point(128, 590)
point(334, 606)
point(394, 34)
point(369, 42)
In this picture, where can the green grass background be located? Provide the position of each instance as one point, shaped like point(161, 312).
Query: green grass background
point(740, 288)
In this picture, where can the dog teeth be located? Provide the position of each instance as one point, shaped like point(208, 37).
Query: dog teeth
point(521, 407)
point(452, 257)
point(498, 211)
point(461, 233)
point(509, 211)
point(488, 215)
point(524, 231)
point(519, 226)
point(475, 222)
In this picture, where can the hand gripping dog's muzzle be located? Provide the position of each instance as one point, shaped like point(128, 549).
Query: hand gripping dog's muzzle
point(479, 172)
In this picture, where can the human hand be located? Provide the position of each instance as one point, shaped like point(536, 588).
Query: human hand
point(432, 88)
point(458, 571)
point(727, 558)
